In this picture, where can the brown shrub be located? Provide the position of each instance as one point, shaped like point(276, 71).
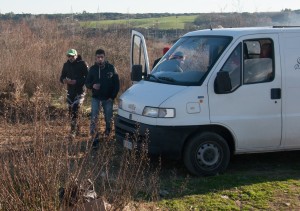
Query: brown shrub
point(38, 161)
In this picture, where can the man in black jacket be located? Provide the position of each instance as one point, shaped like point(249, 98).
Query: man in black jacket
point(74, 73)
point(103, 80)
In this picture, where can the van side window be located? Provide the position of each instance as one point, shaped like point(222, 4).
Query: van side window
point(233, 67)
point(259, 66)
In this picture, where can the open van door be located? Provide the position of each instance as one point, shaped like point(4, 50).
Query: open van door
point(139, 61)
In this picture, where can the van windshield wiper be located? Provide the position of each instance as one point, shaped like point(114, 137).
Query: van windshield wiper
point(167, 79)
point(152, 76)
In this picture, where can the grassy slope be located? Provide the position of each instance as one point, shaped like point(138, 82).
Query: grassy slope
point(252, 182)
point(171, 22)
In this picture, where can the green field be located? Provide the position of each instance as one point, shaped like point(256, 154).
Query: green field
point(170, 22)
point(268, 181)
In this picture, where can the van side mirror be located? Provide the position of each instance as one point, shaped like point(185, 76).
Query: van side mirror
point(222, 83)
point(136, 72)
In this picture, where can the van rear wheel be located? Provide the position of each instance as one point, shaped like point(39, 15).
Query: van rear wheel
point(206, 154)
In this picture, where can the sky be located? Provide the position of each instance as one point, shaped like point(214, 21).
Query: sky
point(144, 6)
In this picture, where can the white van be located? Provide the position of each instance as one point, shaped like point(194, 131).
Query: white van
point(215, 93)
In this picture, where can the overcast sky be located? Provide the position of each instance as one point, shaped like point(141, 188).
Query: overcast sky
point(144, 6)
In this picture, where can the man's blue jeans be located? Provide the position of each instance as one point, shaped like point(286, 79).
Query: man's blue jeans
point(107, 106)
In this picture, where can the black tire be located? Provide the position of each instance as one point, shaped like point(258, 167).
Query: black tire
point(206, 154)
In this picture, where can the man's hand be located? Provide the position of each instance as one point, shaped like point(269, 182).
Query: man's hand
point(72, 82)
point(69, 81)
point(96, 86)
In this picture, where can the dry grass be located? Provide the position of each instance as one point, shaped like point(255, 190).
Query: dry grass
point(33, 52)
point(39, 162)
point(40, 167)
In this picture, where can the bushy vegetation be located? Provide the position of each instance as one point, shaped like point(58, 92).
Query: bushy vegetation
point(41, 168)
point(33, 51)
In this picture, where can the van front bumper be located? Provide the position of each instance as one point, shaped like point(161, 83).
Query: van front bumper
point(162, 140)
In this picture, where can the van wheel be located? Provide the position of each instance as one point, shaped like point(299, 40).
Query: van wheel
point(206, 154)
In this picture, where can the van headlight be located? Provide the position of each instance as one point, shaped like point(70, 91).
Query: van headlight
point(159, 112)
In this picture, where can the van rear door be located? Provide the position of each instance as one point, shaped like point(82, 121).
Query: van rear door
point(252, 109)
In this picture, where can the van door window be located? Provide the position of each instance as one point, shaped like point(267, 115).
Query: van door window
point(259, 66)
point(233, 67)
point(138, 57)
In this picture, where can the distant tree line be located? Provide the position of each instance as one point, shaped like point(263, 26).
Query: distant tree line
point(285, 17)
point(85, 16)
point(203, 18)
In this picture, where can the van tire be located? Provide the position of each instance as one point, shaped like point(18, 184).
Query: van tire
point(206, 154)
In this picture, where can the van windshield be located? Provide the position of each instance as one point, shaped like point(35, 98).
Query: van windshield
point(189, 60)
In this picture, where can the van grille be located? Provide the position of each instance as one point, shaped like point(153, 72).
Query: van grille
point(128, 129)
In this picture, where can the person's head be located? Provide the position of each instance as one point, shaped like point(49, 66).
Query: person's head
point(177, 55)
point(165, 49)
point(72, 55)
point(100, 56)
point(266, 50)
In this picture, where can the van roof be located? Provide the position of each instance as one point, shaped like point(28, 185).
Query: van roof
point(236, 32)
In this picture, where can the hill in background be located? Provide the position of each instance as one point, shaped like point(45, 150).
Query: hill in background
point(162, 25)
point(170, 20)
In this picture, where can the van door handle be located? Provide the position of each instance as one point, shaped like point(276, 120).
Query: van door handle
point(275, 93)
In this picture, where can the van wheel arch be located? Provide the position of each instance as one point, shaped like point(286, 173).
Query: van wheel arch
point(206, 154)
point(222, 131)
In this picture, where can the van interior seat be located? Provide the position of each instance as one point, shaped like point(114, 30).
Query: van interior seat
point(257, 70)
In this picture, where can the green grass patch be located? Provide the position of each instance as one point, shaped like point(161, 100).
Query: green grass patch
point(269, 181)
point(209, 194)
point(170, 22)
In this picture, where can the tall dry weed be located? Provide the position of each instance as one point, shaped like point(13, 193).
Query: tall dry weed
point(33, 51)
point(42, 169)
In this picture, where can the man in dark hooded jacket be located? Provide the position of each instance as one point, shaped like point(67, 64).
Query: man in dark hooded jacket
point(103, 80)
point(74, 73)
